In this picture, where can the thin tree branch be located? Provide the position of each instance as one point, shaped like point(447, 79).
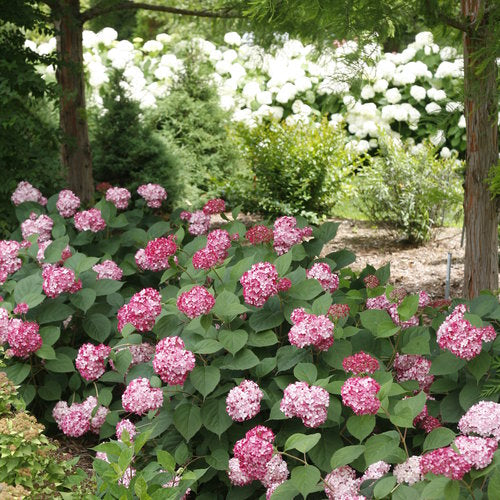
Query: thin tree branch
point(99, 10)
point(450, 21)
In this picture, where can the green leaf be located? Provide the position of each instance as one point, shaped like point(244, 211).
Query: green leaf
point(406, 410)
point(46, 352)
point(187, 420)
point(383, 273)
point(306, 372)
point(262, 339)
point(51, 312)
point(122, 361)
point(307, 289)
point(371, 319)
point(53, 251)
point(218, 459)
point(283, 263)
point(446, 363)
point(438, 438)
point(266, 366)
point(360, 426)
point(17, 372)
point(302, 442)
point(166, 460)
point(265, 319)
point(384, 486)
point(480, 365)
point(83, 299)
point(322, 304)
point(207, 346)
point(205, 379)
point(27, 286)
point(215, 417)
point(34, 299)
point(346, 455)
point(326, 232)
point(342, 258)
point(50, 334)
point(227, 306)
point(381, 447)
point(408, 307)
point(336, 354)
point(242, 360)
point(62, 364)
point(233, 341)
point(288, 356)
point(415, 340)
point(494, 483)
point(80, 263)
point(97, 327)
point(434, 490)
point(105, 396)
point(106, 287)
point(50, 391)
point(158, 229)
point(305, 478)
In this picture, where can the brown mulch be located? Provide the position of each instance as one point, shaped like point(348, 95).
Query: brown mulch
point(77, 448)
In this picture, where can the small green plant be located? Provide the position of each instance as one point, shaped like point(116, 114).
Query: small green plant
point(409, 190)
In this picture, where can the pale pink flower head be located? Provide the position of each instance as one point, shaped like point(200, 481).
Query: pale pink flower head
point(360, 394)
point(108, 270)
point(423, 299)
point(9, 259)
point(4, 324)
point(154, 194)
point(360, 363)
point(409, 472)
point(286, 234)
point(219, 241)
point(482, 419)
point(172, 362)
point(284, 284)
point(126, 425)
point(157, 253)
point(342, 483)
point(380, 302)
point(141, 260)
point(477, 451)
point(215, 206)
point(371, 281)
point(139, 397)
point(141, 353)
point(67, 203)
point(243, 401)
point(322, 272)
point(91, 360)
point(310, 329)
point(259, 234)
point(199, 223)
point(23, 337)
point(413, 367)
point(259, 283)
point(21, 308)
point(195, 302)
point(89, 220)
point(75, 422)
point(120, 197)
point(376, 471)
point(236, 475)
point(445, 462)
point(40, 225)
point(26, 192)
point(457, 335)
point(141, 311)
point(205, 258)
point(276, 472)
point(58, 280)
point(309, 403)
point(80, 418)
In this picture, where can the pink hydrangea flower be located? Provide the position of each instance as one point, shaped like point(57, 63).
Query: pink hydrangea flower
point(156, 254)
point(461, 338)
point(413, 367)
point(359, 393)
point(215, 206)
point(259, 283)
point(141, 311)
point(259, 234)
point(172, 362)
point(393, 312)
point(108, 270)
point(423, 299)
point(41, 225)
point(205, 258)
point(376, 471)
point(23, 337)
point(276, 472)
point(284, 284)
point(380, 302)
point(195, 302)
point(141, 353)
point(89, 220)
point(154, 194)
point(477, 451)
point(4, 324)
point(77, 419)
point(286, 234)
point(445, 462)
point(141, 260)
point(215, 252)
point(371, 281)
point(342, 483)
point(409, 472)
point(322, 272)
point(58, 280)
point(9, 260)
point(338, 311)
point(126, 425)
point(309, 403)
point(120, 197)
point(26, 192)
point(236, 475)
point(67, 203)
point(139, 397)
point(199, 223)
point(360, 363)
point(425, 421)
point(483, 419)
point(91, 360)
point(310, 329)
point(21, 308)
point(243, 401)
point(75, 422)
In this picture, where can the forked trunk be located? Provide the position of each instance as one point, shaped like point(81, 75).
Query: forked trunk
point(75, 151)
point(481, 114)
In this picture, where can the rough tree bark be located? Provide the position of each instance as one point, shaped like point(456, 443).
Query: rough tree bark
point(481, 112)
point(75, 150)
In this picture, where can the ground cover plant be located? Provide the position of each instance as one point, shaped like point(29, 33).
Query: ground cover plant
point(242, 362)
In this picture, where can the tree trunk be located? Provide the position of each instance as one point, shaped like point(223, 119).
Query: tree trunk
point(75, 151)
point(481, 114)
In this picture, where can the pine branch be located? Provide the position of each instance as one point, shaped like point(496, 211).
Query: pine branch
point(433, 11)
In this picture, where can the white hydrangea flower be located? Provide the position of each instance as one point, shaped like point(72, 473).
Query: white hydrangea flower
point(163, 38)
point(445, 153)
point(107, 36)
point(393, 95)
point(417, 92)
point(286, 93)
point(232, 38)
point(380, 85)
point(461, 122)
point(438, 138)
point(424, 38)
point(152, 46)
point(437, 95)
point(432, 108)
point(367, 92)
point(264, 97)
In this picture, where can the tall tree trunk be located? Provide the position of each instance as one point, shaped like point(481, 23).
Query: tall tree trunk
point(75, 151)
point(481, 114)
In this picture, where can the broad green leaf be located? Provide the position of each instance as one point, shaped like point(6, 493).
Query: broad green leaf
point(305, 478)
point(306, 372)
point(307, 289)
point(446, 363)
point(346, 455)
point(262, 339)
point(228, 306)
point(480, 365)
point(408, 307)
point(50, 334)
point(242, 360)
point(360, 426)
point(207, 346)
point(17, 372)
point(97, 327)
point(326, 232)
point(407, 409)
point(381, 447)
point(53, 251)
point(205, 379)
point(233, 341)
point(166, 460)
point(215, 417)
point(51, 312)
point(83, 299)
point(46, 352)
point(265, 319)
point(187, 420)
point(62, 364)
point(106, 287)
point(372, 318)
point(302, 442)
point(438, 438)
point(283, 263)
point(27, 286)
point(288, 356)
point(218, 459)
point(384, 486)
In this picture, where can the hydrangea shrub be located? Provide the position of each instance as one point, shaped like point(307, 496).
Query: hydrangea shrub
point(263, 368)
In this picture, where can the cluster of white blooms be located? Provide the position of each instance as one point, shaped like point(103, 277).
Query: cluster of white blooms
point(291, 81)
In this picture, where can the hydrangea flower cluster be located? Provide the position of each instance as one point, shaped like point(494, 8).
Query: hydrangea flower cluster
point(9, 260)
point(126, 425)
point(120, 197)
point(359, 393)
point(77, 419)
point(23, 337)
point(215, 206)
point(477, 451)
point(26, 192)
point(40, 225)
point(108, 270)
point(342, 483)
point(425, 421)
point(445, 462)
point(156, 254)
point(322, 272)
point(21, 308)
point(286, 234)
point(57, 280)
point(199, 222)
point(139, 397)
point(89, 220)
point(360, 363)
point(309, 329)
point(215, 251)
point(371, 281)
point(195, 302)
point(243, 401)
point(67, 203)
point(338, 311)
point(259, 283)
point(91, 360)
point(141, 311)
point(154, 194)
point(409, 472)
point(393, 312)
point(423, 299)
point(259, 234)
point(461, 338)
point(309, 403)
point(376, 471)
point(4, 324)
point(284, 284)
point(482, 419)
point(380, 302)
point(172, 362)
point(413, 367)
point(276, 473)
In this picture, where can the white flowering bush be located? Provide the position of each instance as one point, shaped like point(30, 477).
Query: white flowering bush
point(241, 362)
